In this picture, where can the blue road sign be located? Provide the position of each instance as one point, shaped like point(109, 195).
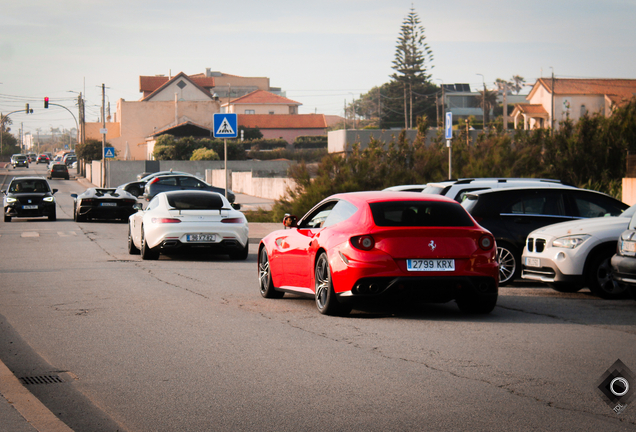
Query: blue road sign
point(225, 125)
point(449, 125)
point(109, 152)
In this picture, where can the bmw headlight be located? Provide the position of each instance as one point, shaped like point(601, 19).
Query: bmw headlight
point(10, 200)
point(48, 199)
point(571, 241)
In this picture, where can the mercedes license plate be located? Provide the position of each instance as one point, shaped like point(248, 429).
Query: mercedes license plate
point(533, 262)
point(29, 207)
point(108, 204)
point(430, 265)
point(201, 237)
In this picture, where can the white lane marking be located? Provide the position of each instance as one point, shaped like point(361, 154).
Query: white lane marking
point(30, 234)
point(66, 234)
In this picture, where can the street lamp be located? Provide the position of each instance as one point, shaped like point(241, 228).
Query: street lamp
point(484, 101)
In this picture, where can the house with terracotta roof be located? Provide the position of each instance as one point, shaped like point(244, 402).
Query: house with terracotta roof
point(553, 100)
point(183, 105)
point(285, 126)
point(261, 102)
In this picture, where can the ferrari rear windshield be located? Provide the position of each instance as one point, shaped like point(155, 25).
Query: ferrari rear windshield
point(195, 201)
point(419, 214)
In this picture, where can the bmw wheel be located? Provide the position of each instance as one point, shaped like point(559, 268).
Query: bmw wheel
point(599, 277)
point(265, 277)
point(509, 268)
point(326, 300)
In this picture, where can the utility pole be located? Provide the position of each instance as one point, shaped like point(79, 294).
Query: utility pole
point(411, 103)
point(406, 117)
point(103, 136)
point(552, 107)
point(505, 107)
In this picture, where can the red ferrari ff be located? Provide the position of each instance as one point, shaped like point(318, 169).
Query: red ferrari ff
point(363, 245)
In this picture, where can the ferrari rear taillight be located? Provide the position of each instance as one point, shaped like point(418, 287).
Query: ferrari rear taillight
point(165, 220)
point(364, 242)
point(486, 242)
point(232, 220)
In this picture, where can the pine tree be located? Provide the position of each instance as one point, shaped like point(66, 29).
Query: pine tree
point(413, 59)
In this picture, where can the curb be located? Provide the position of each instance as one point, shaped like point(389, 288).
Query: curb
point(29, 407)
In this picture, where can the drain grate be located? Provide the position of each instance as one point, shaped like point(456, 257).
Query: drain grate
point(43, 379)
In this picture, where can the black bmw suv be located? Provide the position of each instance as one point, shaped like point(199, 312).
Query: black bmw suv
point(29, 197)
point(511, 214)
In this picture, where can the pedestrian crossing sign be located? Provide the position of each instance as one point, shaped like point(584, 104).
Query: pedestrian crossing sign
point(109, 152)
point(225, 125)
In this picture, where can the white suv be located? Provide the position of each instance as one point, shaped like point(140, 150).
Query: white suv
point(570, 255)
point(456, 189)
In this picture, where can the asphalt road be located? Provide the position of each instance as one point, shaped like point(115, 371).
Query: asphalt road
point(187, 343)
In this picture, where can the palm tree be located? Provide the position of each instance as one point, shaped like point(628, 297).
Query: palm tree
point(487, 102)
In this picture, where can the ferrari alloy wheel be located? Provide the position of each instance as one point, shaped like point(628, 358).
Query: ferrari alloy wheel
point(326, 300)
point(132, 249)
point(265, 277)
point(508, 264)
point(600, 280)
point(147, 253)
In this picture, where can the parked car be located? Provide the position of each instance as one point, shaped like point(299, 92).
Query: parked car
point(29, 197)
point(513, 213)
point(188, 219)
point(137, 187)
point(43, 159)
point(368, 245)
point(624, 261)
point(58, 170)
point(102, 203)
point(19, 161)
point(180, 182)
point(69, 159)
point(570, 255)
point(456, 189)
point(406, 188)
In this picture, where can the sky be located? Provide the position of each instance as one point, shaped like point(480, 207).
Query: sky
point(321, 53)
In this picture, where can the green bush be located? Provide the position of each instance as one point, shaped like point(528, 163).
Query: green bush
point(310, 142)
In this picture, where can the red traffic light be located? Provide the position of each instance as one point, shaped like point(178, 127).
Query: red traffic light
point(46, 102)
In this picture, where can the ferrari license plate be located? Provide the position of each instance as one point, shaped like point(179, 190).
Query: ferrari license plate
point(108, 204)
point(430, 265)
point(29, 207)
point(201, 237)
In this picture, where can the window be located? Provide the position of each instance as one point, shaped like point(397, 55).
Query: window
point(318, 216)
point(190, 182)
point(271, 112)
point(250, 112)
point(195, 201)
point(544, 204)
point(596, 206)
point(342, 211)
point(169, 181)
point(419, 214)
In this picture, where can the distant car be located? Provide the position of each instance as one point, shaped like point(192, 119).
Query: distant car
point(20, 161)
point(406, 188)
point(69, 159)
point(456, 189)
point(32, 157)
point(180, 182)
point(102, 203)
point(43, 159)
point(624, 261)
point(359, 246)
point(137, 187)
point(510, 214)
point(58, 170)
point(570, 255)
point(29, 197)
point(188, 219)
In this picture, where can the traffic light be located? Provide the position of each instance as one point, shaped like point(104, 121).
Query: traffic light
point(27, 108)
point(46, 102)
